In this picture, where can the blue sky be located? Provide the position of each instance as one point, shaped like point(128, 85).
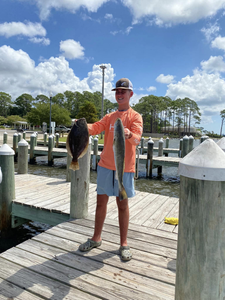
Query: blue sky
point(164, 47)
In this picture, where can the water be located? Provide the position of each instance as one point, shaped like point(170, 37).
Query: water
point(168, 185)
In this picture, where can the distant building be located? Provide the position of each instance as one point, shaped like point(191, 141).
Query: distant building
point(182, 131)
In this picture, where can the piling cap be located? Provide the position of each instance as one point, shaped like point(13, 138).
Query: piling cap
point(6, 150)
point(221, 143)
point(22, 143)
point(185, 137)
point(205, 162)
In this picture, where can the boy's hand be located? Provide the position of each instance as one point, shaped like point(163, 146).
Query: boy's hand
point(127, 133)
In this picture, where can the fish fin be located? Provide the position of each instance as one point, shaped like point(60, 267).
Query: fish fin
point(67, 146)
point(74, 165)
point(84, 151)
point(123, 194)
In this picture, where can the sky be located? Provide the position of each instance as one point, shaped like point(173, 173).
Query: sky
point(166, 48)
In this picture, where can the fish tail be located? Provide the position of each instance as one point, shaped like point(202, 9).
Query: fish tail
point(122, 194)
point(74, 165)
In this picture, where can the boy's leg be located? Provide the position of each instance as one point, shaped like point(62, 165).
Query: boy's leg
point(123, 210)
point(100, 215)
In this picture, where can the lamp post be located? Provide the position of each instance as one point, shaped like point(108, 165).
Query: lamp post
point(50, 119)
point(103, 74)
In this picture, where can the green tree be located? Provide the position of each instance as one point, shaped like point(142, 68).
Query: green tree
point(14, 118)
point(222, 114)
point(5, 103)
point(89, 112)
point(3, 120)
point(41, 113)
point(24, 104)
point(41, 99)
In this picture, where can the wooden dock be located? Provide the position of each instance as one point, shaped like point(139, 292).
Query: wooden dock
point(50, 266)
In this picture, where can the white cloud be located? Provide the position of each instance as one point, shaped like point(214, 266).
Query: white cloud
point(72, 49)
point(173, 11)
point(108, 16)
point(219, 43)
point(18, 28)
point(211, 31)
point(165, 78)
point(128, 29)
point(20, 75)
point(45, 6)
point(151, 88)
point(214, 64)
point(43, 41)
point(207, 90)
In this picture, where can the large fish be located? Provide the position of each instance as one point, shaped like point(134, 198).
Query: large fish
point(119, 156)
point(77, 142)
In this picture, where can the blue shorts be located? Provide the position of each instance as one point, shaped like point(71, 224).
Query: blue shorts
point(108, 184)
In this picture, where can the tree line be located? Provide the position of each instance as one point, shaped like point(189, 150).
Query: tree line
point(159, 113)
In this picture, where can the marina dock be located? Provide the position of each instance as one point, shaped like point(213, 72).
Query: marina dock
point(50, 266)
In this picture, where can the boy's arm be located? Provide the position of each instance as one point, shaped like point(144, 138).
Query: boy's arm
point(136, 130)
point(97, 127)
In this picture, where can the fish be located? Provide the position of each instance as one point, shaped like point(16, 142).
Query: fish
point(119, 156)
point(77, 142)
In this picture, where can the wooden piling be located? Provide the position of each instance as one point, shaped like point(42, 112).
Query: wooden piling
point(191, 143)
point(24, 135)
point(68, 170)
point(22, 157)
point(7, 187)
point(80, 188)
point(50, 148)
point(32, 147)
point(203, 138)
point(95, 154)
point(45, 139)
point(5, 136)
point(167, 145)
point(160, 153)
point(201, 243)
point(181, 147)
point(142, 145)
point(15, 145)
point(149, 162)
point(185, 146)
point(137, 163)
point(57, 140)
point(19, 137)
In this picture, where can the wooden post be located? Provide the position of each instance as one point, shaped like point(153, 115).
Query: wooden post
point(57, 140)
point(79, 191)
point(45, 138)
point(191, 143)
point(68, 170)
point(185, 146)
point(167, 145)
point(19, 137)
point(201, 242)
point(36, 137)
point(32, 147)
point(160, 153)
point(203, 138)
point(22, 157)
point(142, 145)
point(95, 155)
point(137, 163)
point(5, 136)
point(15, 145)
point(24, 135)
point(149, 162)
point(7, 187)
point(181, 148)
point(50, 148)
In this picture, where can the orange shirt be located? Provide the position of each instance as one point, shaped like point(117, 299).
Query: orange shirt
point(131, 120)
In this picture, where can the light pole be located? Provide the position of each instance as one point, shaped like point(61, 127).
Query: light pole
point(103, 74)
point(50, 119)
